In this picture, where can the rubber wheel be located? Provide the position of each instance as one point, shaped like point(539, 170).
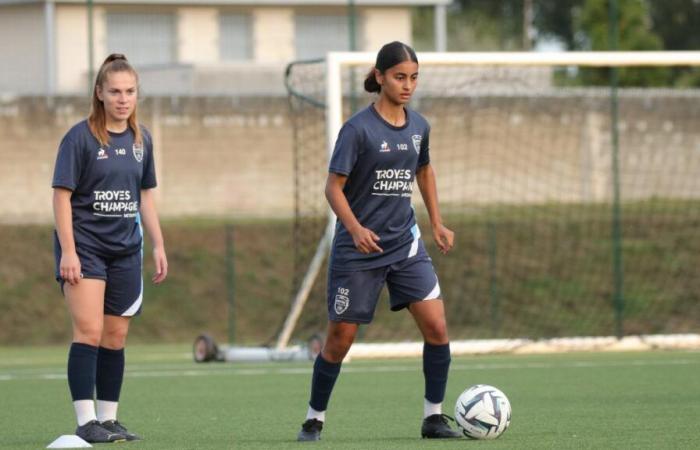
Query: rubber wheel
point(204, 349)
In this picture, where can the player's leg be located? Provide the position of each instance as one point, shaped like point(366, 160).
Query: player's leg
point(430, 318)
point(85, 303)
point(339, 338)
point(123, 295)
point(413, 284)
point(352, 298)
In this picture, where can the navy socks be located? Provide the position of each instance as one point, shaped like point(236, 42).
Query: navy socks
point(110, 374)
point(436, 364)
point(82, 366)
point(90, 369)
point(322, 382)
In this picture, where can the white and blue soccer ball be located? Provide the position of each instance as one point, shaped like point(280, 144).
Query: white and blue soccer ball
point(482, 412)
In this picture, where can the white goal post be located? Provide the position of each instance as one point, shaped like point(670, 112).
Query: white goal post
point(335, 64)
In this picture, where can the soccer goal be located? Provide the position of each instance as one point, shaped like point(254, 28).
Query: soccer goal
point(571, 180)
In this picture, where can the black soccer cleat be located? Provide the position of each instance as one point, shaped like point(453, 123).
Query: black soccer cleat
point(94, 433)
point(436, 427)
point(310, 430)
point(113, 426)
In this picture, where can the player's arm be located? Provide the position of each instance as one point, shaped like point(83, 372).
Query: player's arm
point(149, 217)
point(365, 239)
point(444, 237)
point(69, 267)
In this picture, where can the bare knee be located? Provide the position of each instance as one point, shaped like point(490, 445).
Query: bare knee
point(114, 339)
point(435, 332)
point(338, 343)
point(88, 334)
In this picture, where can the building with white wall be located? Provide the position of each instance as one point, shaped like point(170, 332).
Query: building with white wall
point(186, 46)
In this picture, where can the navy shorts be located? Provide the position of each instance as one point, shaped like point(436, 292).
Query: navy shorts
point(122, 275)
point(353, 295)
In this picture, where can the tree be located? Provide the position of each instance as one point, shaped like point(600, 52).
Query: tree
point(554, 20)
point(677, 22)
point(634, 33)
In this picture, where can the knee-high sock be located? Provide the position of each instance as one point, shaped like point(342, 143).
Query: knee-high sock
point(82, 365)
point(322, 382)
point(110, 375)
point(436, 365)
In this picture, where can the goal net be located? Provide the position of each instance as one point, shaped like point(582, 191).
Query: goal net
point(575, 200)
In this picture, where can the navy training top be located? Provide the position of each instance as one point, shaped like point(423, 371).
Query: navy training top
point(380, 161)
point(106, 182)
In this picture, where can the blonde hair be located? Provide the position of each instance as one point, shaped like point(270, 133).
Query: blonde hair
point(97, 120)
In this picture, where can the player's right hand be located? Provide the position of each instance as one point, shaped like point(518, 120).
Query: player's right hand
point(366, 241)
point(69, 268)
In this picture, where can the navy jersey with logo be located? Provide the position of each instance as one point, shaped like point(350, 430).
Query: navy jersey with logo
point(380, 161)
point(106, 182)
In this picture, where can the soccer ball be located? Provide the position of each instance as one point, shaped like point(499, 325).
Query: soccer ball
point(482, 412)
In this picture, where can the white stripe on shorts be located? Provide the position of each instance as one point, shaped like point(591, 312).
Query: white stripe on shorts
point(435, 293)
point(136, 305)
point(415, 231)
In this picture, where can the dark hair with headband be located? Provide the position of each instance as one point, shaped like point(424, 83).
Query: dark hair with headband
point(390, 55)
point(97, 120)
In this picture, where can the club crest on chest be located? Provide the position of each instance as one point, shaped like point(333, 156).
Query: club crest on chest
point(138, 151)
point(416, 139)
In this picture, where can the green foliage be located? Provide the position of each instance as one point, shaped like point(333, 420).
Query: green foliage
point(677, 23)
point(634, 33)
point(634, 29)
point(494, 25)
point(555, 21)
point(688, 78)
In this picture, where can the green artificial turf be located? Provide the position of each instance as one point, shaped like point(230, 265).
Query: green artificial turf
point(645, 400)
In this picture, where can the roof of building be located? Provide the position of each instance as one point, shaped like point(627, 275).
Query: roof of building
point(244, 2)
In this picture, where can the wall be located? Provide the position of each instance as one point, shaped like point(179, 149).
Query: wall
point(215, 157)
point(231, 156)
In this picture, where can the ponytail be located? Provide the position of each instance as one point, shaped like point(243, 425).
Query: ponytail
point(371, 84)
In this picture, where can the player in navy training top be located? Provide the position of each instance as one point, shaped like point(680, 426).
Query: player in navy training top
point(103, 192)
point(379, 153)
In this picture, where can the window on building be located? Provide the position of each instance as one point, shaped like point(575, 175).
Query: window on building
point(145, 39)
point(235, 37)
point(315, 35)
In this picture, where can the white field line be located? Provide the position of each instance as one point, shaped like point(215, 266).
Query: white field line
point(213, 370)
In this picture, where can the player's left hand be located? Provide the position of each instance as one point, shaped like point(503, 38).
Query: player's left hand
point(444, 238)
point(161, 264)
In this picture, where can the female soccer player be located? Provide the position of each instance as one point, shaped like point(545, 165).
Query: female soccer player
point(378, 154)
point(102, 191)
